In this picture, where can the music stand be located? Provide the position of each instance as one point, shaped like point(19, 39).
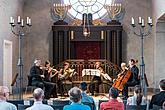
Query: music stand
point(91, 72)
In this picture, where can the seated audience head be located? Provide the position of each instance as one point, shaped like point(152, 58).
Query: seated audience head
point(83, 86)
point(4, 92)
point(138, 93)
point(38, 94)
point(37, 62)
point(75, 94)
point(163, 106)
point(162, 85)
point(113, 92)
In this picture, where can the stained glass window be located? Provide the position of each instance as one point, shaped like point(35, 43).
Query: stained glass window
point(95, 7)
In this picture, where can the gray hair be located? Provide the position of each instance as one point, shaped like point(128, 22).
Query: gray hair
point(75, 94)
point(38, 94)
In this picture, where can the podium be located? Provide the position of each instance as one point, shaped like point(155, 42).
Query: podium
point(91, 72)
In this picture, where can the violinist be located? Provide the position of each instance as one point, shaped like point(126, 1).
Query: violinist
point(133, 79)
point(64, 74)
point(48, 73)
point(36, 77)
point(97, 80)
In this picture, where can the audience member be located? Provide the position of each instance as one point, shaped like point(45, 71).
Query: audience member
point(137, 98)
point(85, 97)
point(4, 94)
point(159, 98)
point(163, 105)
point(113, 103)
point(75, 97)
point(38, 95)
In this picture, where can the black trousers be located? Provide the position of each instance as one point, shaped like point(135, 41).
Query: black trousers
point(47, 85)
point(128, 84)
point(94, 86)
point(62, 87)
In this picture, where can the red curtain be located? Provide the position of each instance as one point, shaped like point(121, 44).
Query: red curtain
point(87, 50)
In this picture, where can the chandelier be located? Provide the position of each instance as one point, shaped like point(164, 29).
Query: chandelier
point(86, 22)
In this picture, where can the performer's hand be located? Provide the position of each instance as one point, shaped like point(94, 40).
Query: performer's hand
point(42, 76)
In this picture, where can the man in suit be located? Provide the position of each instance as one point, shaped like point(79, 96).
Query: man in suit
point(134, 78)
point(159, 98)
point(36, 76)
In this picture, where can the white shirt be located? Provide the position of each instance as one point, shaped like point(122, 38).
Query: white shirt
point(132, 101)
point(38, 105)
point(7, 106)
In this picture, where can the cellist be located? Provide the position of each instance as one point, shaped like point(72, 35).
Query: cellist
point(134, 78)
point(122, 77)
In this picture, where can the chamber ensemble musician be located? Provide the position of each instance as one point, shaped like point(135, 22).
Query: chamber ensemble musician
point(65, 73)
point(134, 78)
point(37, 78)
point(49, 73)
point(97, 80)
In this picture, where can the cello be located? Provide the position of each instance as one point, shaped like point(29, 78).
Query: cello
point(122, 79)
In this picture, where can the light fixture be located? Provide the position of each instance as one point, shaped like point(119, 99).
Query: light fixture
point(86, 28)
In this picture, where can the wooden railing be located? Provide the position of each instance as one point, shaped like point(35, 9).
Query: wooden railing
point(79, 64)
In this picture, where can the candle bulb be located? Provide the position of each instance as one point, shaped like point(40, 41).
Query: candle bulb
point(11, 20)
point(27, 20)
point(133, 21)
point(149, 20)
point(140, 20)
point(22, 23)
point(19, 19)
point(30, 22)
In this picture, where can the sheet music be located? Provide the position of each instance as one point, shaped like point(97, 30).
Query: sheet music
point(107, 77)
point(93, 72)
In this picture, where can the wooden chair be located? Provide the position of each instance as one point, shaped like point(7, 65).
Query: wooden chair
point(136, 107)
point(59, 104)
point(29, 85)
point(15, 102)
point(22, 107)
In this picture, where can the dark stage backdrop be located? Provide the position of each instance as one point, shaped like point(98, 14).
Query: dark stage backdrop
point(87, 50)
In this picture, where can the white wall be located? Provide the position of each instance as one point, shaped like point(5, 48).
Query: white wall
point(8, 8)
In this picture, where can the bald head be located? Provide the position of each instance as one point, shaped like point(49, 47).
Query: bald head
point(38, 94)
point(4, 92)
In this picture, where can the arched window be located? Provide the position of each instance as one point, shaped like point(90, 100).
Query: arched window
point(95, 7)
